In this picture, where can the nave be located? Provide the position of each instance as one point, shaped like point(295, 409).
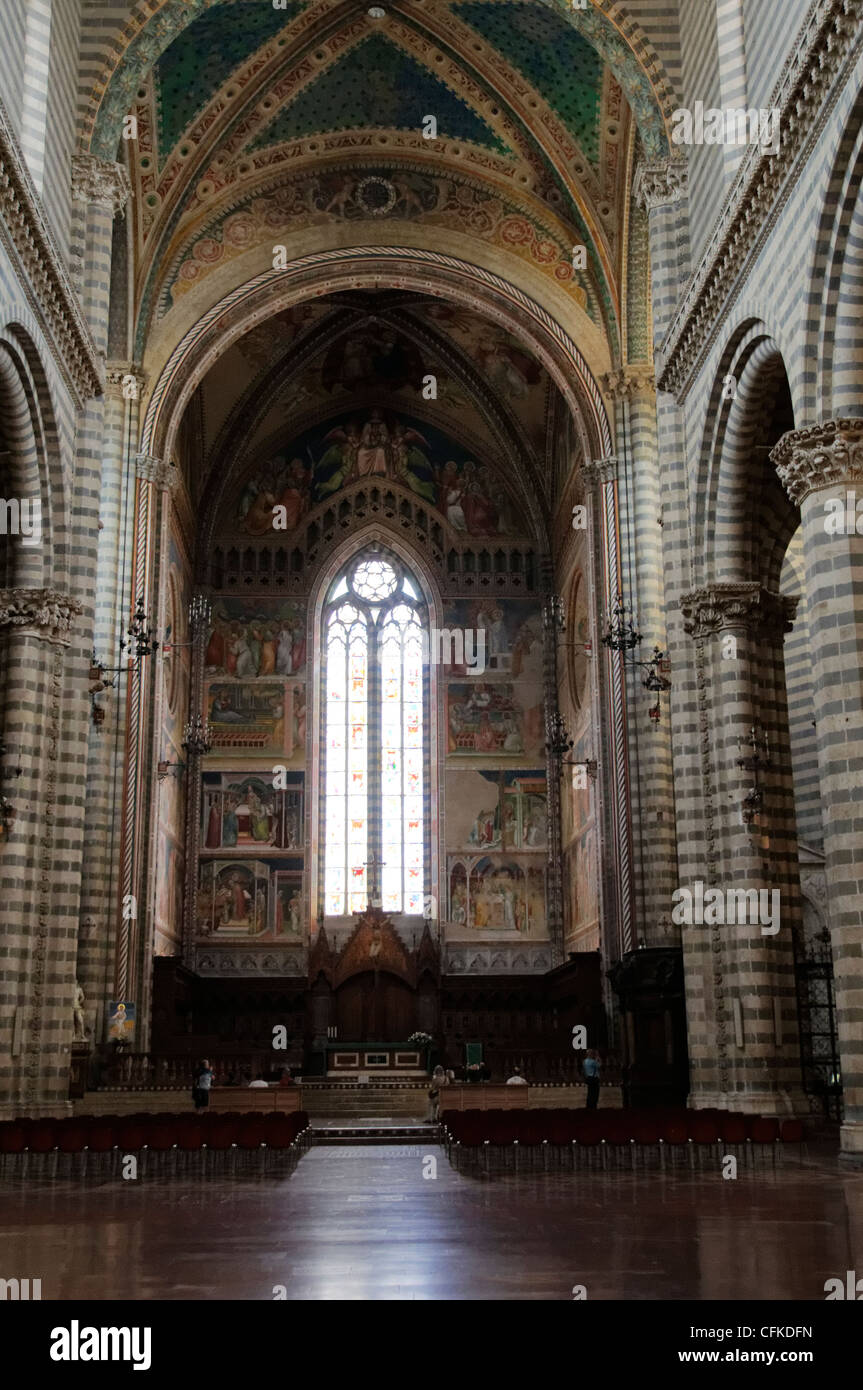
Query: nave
point(362, 1223)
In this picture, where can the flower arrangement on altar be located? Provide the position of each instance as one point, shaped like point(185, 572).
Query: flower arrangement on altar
point(421, 1039)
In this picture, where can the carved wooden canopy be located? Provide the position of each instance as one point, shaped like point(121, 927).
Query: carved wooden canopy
point(374, 944)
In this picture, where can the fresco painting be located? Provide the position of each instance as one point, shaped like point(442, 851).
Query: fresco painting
point(255, 639)
point(487, 720)
point(257, 717)
point(246, 813)
point(496, 809)
point(511, 636)
point(260, 898)
point(375, 445)
point(497, 895)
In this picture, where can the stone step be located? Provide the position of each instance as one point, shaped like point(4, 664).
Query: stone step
point(371, 1133)
point(361, 1103)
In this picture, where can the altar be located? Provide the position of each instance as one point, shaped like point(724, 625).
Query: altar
point(363, 1060)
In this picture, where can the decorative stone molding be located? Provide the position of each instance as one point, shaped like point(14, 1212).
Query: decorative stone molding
point(636, 379)
point(718, 607)
point(168, 478)
point(598, 472)
point(805, 96)
point(42, 613)
point(497, 960)
point(238, 960)
point(164, 476)
point(100, 181)
point(660, 182)
point(43, 277)
point(826, 455)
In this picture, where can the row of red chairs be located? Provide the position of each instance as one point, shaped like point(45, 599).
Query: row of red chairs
point(97, 1144)
point(592, 1136)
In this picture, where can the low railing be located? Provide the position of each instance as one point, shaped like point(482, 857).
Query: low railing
point(147, 1071)
point(486, 1095)
point(538, 1067)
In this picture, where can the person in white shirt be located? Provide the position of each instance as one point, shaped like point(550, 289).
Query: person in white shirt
point(259, 1082)
point(516, 1079)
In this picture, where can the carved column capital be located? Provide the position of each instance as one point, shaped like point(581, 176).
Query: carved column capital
point(597, 472)
point(162, 475)
point(42, 613)
point(635, 379)
point(721, 607)
point(660, 182)
point(826, 455)
point(126, 381)
point(100, 181)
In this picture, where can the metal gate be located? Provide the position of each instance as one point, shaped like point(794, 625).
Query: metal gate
point(816, 1008)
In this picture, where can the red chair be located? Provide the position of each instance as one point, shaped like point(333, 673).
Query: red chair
point(160, 1143)
point(732, 1134)
point(220, 1139)
point(13, 1143)
point(763, 1134)
point(614, 1129)
point(71, 1140)
point(646, 1133)
point(280, 1131)
point(674, 1138)
point(190, 1144)
point(588, 1136)
point(532, 1138)
point(132, 1135)
point(704, 1131)
point(101, 1140)
point(71, 1137)
point(42, 1146)
point(42, 1138)
point(791, 1132)
point(250, 1137)
point(732, 1128)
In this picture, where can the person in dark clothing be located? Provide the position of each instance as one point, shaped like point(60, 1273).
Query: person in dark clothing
point(591, 1068)
point(201, 1085)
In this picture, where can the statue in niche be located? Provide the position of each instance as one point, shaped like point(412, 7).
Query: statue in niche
point(80, 1022)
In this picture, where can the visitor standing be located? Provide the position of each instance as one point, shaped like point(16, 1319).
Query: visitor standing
point(201, 1086)
point(591, 1068)
point(438, 1081)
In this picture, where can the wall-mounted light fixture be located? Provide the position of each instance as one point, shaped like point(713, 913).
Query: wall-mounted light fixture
point(755, 761)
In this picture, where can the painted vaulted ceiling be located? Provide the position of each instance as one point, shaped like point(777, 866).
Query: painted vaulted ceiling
point(255, 121)
point(350, 353)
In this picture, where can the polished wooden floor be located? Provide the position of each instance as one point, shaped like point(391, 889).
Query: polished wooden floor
point(364, 1223)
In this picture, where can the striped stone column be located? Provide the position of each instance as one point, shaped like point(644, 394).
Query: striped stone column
point(162, 478)
point(739, 959)
point(651, 779)
point(619, 929)
point(822, 470)
point(38, 884)
point(154, 481)
point(99, 190)
point(662, 187)
point(100, 888)
point(733, 85)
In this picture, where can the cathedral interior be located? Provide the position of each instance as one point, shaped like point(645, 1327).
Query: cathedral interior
point(431, 622)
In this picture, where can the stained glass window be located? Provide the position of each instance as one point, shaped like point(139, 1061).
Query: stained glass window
point(373, 785)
